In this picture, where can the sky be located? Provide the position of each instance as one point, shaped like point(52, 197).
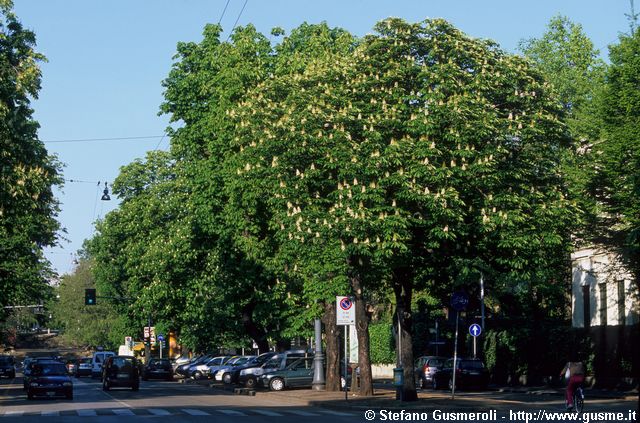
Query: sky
point(107, 60)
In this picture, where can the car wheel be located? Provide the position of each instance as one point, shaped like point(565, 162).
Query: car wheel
point(197, 375)
point(251, 383)
point(451, 384)
point(276, 384)
point(105, 385)
point(226, 378)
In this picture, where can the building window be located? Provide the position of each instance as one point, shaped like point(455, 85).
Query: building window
point(603, 303)
point(621, 299)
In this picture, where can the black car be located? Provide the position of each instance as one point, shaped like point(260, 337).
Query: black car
point(121, 371)
point(49, 378)
point(470, 373)
point(233, 375)
point(83, 367)
point(158, 368)
point(7, 366)
point(183, 369)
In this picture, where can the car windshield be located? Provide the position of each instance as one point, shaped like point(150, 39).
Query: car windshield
point(471, 364)
point(273, 363)
point(122, 363)
point(434, 362)
point(6, 361)
point(241, 360)
point(85, 361)
point(50, 369)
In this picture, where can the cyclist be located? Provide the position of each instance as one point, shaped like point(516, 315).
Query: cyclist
point(574, 372)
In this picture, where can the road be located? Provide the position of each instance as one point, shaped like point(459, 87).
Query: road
point(185, 402)
point(155, 400)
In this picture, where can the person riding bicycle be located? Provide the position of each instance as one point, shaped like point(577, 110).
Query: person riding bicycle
point(574, 372)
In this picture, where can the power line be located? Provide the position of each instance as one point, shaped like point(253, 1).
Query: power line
point(104, 139)
point(225, 9)
point(237, 19)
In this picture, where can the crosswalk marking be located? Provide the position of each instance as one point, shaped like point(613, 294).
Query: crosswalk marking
point(232, 413)
point(336, 413)
point(303, 413)
point(87, 413)
point(50, 413)
point(159, 412)
point(268, 413)
point(14, 413)
point(194, 412)
point(123, 412)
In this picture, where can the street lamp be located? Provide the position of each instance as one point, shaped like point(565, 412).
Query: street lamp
point(105, 195)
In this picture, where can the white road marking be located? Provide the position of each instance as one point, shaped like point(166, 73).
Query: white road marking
point(268, 413)
point(159, 412)
point(232, 413)
point(87, 413)
point(50, 413)
point(14, 413)
point(194, 412)
point(303, 413)
point(122, 412)
point(336, 413)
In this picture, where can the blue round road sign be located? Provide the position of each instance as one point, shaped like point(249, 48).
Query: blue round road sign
point(475, 329)
point(459, 301)
point(160, 338)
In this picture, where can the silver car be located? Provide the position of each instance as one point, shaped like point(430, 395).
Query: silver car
point(425, 367)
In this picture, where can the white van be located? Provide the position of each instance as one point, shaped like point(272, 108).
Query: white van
point(97, 360)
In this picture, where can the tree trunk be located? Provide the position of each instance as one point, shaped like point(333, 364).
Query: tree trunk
point(403, 289)
point(256, 333)
point(362, 328)
point(332, 347)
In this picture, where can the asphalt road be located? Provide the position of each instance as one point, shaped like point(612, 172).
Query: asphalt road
point(185, 402)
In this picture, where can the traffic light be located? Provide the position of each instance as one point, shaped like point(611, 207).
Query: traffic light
point(90, 296)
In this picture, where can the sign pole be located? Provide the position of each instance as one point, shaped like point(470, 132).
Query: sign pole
point(455, 359)
point(345, 362)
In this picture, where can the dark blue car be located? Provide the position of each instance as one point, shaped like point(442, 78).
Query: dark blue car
point(49, 379)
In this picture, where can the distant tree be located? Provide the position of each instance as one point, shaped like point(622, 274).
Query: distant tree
point(28, 209)
point(82, 325)
point(616, 183)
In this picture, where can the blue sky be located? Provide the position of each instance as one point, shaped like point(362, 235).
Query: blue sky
point(106, 61)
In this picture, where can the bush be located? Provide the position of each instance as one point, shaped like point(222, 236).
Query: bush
point(382, 343)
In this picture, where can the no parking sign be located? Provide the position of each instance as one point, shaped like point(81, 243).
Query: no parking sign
point(345, 311)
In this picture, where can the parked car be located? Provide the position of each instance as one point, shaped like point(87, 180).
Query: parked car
point(470, 373)
point(249, 377)
point(83, 367)
point(121, 371)
point(183, 369)
point(49, 378)
point(208, 368)
point(298, 374)
point(425, 367)
point(179, 361)
point(97, 361)
point(7, 366)
point(229, 365)
point(158, 368)
point(233, 375)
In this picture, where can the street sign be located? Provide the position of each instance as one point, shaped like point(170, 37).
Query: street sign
point(345, 311)
point(475, 330)
point(160, 337)
point(459, 301)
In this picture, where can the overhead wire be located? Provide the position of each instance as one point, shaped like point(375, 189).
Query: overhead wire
point(223, 11)
point(104, 139)
point(237, 19)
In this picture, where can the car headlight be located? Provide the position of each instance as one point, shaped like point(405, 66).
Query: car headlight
point(67, 384)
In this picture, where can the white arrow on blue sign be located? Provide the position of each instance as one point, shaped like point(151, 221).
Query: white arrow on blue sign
point(475, 329)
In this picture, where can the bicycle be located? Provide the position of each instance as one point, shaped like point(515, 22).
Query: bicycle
point(578, 399)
